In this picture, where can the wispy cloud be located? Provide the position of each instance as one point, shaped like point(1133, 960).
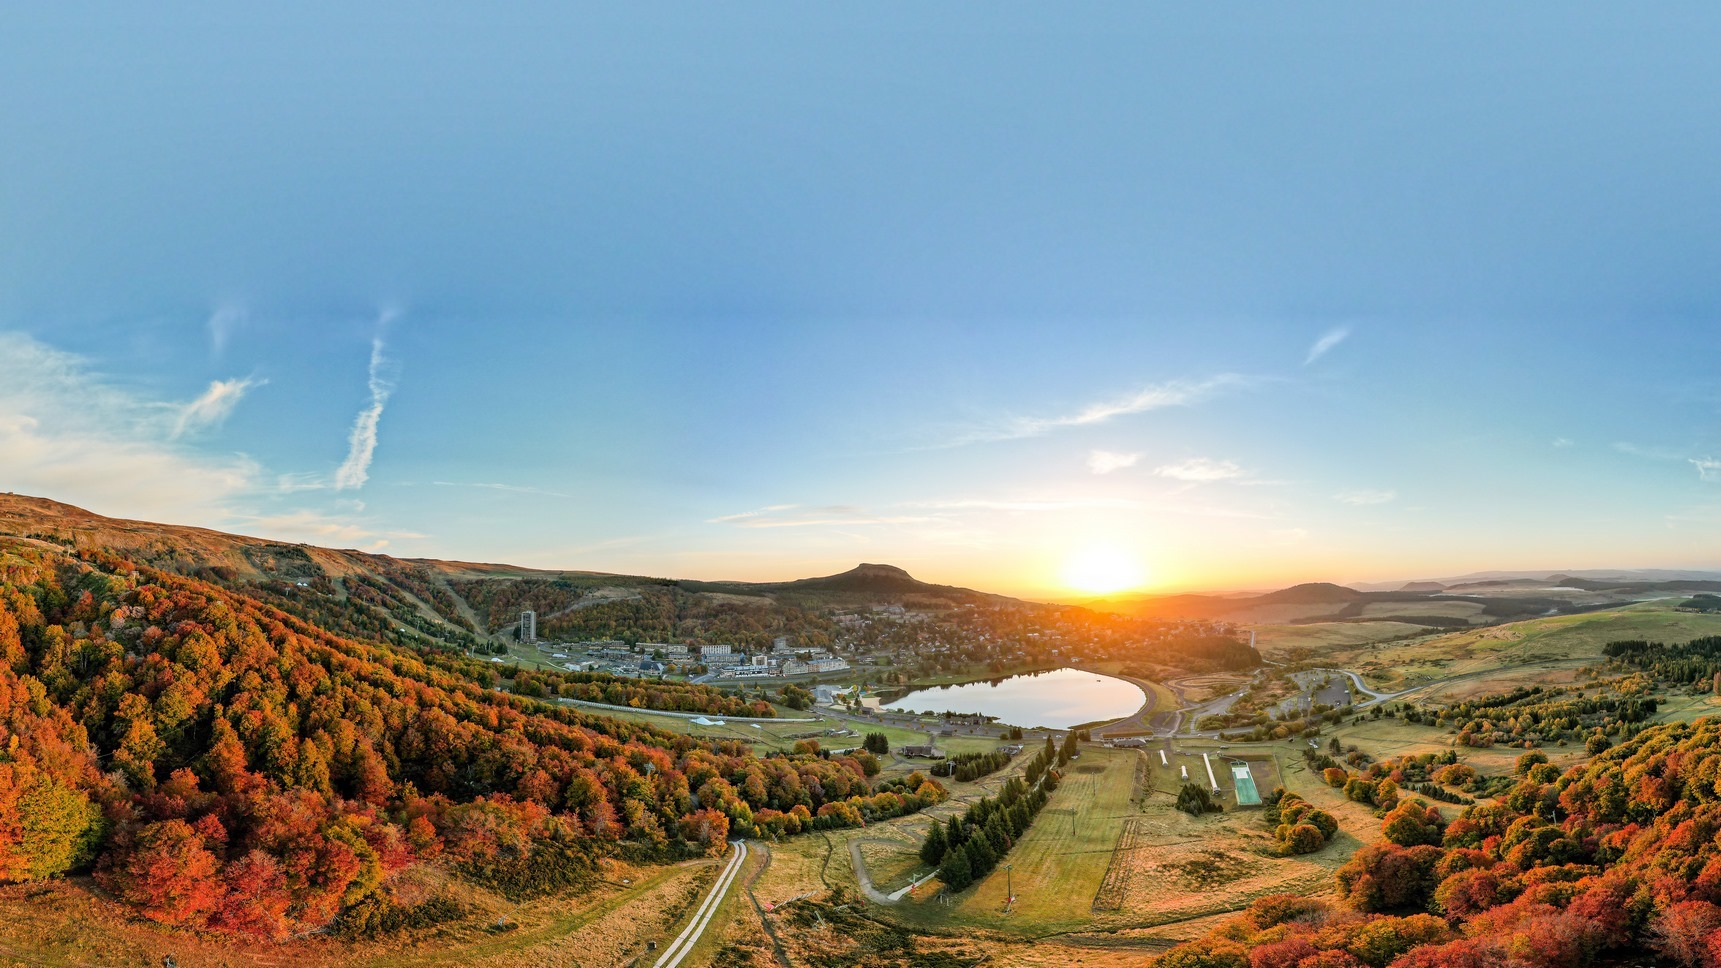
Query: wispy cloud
point(1050, 504)
point(70, 433)
point(510, 488)
point(1325, 344)
point(797, 516)
point(1175, 393)
point(223, 323)
point(1362, 497)
point(1562, 441)
point(1200, 470)
point(67, 432)
point(1106, 461)
point(1648, 453)
point(361, 442)
point(1708, 468)
point(314, 527)
point(213, 406)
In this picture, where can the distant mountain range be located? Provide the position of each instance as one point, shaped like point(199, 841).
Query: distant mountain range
point(1476, 600)
point(186, 549)
point(1614, 575)
point(440, 599)
point(434, 594)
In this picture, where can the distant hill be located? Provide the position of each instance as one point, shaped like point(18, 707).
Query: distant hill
point(863, 584)
point(410, 599)
point(1309, 593)
point(1433, 604)
point(371, 594)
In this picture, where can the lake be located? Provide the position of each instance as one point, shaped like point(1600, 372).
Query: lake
point(1057, 699)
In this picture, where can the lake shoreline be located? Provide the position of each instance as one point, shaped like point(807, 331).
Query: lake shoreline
point(1058, 698)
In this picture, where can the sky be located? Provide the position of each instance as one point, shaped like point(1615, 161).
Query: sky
point(1200, 296)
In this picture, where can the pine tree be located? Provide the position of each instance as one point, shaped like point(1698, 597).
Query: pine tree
point(954, 870)
point(981, 857)
point(932, 852)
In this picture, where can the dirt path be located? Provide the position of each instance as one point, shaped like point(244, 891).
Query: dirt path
point(873, 894)
point(690, 935)
point(764, 917)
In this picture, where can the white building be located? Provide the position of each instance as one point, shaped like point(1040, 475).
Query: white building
point(746, 672)
point(528, 626)
point(710, 650)
point(828, 665)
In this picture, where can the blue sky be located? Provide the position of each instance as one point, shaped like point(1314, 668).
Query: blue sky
point(1252, 294)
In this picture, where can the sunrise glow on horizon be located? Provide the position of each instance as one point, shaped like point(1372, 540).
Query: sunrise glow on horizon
point(1104, 570)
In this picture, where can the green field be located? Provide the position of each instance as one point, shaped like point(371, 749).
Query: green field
point(1058, 865)
point(1275, 641)
point(1563, 641)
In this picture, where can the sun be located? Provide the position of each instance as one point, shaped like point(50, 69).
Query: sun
point(1103, 569)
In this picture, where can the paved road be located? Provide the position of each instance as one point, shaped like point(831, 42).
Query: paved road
point(1360, 686)
point(691, 934)
point(1219, 704)
point(678, 714)
point(1140, 721)
point(872, 893)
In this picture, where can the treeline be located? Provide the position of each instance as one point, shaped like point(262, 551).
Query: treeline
point(1695, 662)
point(1298, 725)
point(639, 693)
point(972, 766)
point(424, 585)
point(969, 847)
point(372, 610)
point(1379, 784)
point(661, 612)
point(221, 764)
point(1600, 864)
point(1206, 651)
point(1547, 714)
point(499, 601)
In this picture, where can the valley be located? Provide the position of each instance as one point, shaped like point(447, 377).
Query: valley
point(1116, 868)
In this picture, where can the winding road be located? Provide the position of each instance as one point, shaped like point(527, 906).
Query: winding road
point(1142, 721)
point(707, 909)
point(867, 887)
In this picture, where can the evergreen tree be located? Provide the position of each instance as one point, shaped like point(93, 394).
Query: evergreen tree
point(936, 843)
point(981, 857)
point(954, 870)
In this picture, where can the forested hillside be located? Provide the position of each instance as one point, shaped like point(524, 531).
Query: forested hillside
point(1618, 857)
point(218, 762)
